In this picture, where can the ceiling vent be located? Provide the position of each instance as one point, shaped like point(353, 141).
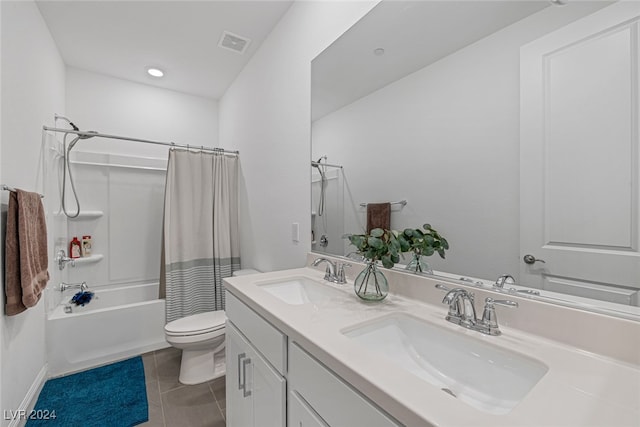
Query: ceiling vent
point(234, 42)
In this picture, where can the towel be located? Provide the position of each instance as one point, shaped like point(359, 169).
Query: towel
point(26, 258)
point(378, 216)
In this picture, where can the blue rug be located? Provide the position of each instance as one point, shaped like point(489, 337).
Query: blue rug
point(109, 396)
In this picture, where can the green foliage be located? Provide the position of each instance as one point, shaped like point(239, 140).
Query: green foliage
point(387, 245)
point(378, 245)
point(426, 241)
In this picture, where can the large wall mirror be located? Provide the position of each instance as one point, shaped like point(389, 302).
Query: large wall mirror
point(509, 126)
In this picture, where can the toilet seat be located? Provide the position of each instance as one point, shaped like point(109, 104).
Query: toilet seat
point(197, 324)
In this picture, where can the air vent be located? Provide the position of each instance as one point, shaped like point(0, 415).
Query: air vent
point(234, 42)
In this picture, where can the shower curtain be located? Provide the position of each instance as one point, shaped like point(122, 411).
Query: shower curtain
point(201, 244)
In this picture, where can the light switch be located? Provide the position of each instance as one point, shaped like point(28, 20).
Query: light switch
point(295, 232)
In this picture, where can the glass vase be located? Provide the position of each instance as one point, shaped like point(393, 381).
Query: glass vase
point(371, 285)
point(418, 265)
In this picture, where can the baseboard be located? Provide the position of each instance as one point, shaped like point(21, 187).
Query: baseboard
point(30, 398)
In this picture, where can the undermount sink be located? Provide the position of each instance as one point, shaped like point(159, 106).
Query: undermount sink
point(299, 290)
point(485, 376)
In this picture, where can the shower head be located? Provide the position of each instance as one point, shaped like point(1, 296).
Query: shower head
point(59, 117)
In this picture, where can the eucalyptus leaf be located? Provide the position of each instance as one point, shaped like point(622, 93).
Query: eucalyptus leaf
point(377, 232)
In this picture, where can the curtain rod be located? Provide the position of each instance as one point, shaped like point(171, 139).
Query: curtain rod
point(146, 141)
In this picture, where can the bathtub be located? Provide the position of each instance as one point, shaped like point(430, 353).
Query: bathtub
point(119, 322)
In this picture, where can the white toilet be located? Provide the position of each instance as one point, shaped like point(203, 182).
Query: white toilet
point(201, 339)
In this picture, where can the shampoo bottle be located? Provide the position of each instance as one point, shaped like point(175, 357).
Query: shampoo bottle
point(75, 248)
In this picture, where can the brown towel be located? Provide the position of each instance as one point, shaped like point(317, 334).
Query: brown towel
point(26, 257)
point(378, 216)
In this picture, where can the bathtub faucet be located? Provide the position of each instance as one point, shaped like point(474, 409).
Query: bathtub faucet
point(82, 286)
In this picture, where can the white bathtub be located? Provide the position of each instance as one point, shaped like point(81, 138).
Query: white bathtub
point(119, 322)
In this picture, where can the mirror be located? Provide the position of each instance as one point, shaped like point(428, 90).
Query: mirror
point(427, 103)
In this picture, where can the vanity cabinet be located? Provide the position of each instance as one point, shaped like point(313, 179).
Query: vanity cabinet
point(258, 377)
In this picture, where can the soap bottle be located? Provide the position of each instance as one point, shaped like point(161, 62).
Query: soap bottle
point(86, 246)
point(75, 248)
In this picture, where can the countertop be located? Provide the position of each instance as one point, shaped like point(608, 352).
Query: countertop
point(580, 388)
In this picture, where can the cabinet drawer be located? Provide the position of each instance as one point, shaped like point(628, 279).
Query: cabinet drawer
point(268, 340)
point(329, 396)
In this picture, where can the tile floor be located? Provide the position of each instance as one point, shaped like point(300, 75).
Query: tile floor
point(172, 404)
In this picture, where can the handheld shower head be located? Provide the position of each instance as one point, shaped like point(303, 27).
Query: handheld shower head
point(59, 117)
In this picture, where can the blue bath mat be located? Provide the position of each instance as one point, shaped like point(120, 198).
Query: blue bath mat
point(110, 396)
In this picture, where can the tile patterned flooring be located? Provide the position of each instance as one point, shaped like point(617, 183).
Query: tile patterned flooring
point(172, 404)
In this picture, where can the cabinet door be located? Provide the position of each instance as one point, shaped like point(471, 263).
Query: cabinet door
point(301, 414)
point(239, 411)
point(267, 390)
point(255, 390)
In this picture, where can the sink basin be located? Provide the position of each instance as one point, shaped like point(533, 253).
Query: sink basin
point(299, 290)
point(478, 373)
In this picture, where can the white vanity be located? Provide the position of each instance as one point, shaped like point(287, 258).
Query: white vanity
point(305, 352)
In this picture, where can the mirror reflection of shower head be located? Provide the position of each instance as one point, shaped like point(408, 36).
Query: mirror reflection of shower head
point(59, 117)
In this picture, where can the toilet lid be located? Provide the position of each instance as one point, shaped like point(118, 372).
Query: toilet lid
point(197, 323)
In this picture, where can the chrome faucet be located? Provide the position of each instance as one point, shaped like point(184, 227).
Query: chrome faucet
point(505, 279)
point(334, 272)
point(462, 310)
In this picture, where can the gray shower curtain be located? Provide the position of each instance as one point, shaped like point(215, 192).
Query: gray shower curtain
point(201, 244)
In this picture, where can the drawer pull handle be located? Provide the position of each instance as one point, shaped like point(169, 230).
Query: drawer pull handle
point(240, 380)
point(245, 362)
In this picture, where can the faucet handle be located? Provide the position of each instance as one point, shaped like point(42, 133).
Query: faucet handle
point(340, 275)
point(504, 302)
point(489, 317)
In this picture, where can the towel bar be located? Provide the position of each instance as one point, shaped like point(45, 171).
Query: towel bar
point(401, 202)
point(7, 188)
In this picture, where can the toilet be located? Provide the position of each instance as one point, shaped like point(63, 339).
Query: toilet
point(201, 339)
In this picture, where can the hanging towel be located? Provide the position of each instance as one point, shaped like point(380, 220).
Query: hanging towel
point(378, 216)
point(26, 258)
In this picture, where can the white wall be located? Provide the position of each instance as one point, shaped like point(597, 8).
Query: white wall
point(266, 115)
point(120, 107)
point(32, 90)
point(446, 138)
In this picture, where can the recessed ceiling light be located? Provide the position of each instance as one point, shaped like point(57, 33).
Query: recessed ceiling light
point(155, 72)
point(378, 51)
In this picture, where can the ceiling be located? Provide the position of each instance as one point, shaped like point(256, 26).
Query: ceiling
point(122, 38)
point(413, 34)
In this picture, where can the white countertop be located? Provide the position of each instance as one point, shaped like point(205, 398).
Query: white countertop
point(579, 389)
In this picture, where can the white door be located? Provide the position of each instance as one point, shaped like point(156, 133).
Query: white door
point(580, 157)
